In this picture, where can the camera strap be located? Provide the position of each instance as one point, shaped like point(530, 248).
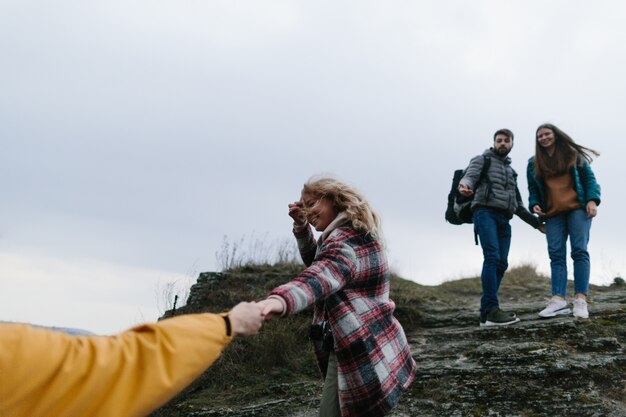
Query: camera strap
point(325, 312)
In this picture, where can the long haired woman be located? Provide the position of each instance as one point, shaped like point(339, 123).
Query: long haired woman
point(563, 189)
point(361, 348)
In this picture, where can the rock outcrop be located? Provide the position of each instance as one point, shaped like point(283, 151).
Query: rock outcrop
point(537, 367)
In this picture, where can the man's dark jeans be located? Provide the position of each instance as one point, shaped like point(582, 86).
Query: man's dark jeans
point(494, 232)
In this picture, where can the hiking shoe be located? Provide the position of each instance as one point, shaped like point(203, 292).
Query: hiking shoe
point(497, 317)
point(483, 316)
point(580, 308)
point(510, 313)
point(555, 308)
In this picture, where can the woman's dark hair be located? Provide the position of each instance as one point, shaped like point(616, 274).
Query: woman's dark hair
point(566, 153)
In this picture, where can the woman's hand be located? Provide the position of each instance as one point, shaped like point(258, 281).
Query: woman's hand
point(592, 209)
point(271, 307)
point(537, 210)
point(296, 212)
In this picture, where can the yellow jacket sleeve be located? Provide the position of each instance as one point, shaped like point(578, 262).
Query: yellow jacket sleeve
point(52, 374)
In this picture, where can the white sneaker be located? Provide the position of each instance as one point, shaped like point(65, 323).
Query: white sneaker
point(555, 308)
point(580, 308)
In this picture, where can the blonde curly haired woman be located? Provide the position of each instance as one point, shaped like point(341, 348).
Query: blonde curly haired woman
point(361, 348)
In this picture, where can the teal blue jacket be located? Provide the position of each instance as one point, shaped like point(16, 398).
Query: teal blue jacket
point(585, 184)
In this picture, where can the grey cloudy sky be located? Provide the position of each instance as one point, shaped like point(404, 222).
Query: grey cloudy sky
point(136, 135)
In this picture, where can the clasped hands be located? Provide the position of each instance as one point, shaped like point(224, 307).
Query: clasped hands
point(246, 318)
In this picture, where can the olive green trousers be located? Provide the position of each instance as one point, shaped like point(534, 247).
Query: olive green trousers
point(330, 393)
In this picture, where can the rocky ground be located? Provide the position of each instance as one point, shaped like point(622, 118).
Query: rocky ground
point(537, 367)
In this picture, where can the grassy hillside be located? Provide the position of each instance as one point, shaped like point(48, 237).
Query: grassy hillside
point(280, 357)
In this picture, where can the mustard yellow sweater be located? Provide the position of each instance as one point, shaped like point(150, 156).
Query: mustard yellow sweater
point(51, 374)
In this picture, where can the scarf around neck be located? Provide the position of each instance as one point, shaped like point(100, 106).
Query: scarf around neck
point(340, 220)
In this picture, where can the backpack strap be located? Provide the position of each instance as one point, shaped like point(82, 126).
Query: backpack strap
point(483, 174)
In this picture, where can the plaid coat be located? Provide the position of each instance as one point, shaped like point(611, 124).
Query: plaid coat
point(349, 272)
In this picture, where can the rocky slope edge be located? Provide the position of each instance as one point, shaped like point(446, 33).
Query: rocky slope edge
point(538, 367)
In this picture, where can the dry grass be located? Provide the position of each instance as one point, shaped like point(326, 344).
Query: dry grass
point(281, 353)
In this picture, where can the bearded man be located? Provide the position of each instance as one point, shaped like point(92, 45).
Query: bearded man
point(496, 200)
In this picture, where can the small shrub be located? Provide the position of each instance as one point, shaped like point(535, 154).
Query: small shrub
point(256, 251)
point(172, 294)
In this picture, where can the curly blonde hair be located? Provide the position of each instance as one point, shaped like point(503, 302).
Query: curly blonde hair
point(347, 199)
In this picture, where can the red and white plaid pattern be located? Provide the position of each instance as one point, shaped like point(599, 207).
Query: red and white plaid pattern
point(349, 273)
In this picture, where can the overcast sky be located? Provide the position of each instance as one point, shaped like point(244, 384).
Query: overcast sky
point(137, 134)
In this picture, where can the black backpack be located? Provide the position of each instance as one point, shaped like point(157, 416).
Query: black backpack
point(459, 207)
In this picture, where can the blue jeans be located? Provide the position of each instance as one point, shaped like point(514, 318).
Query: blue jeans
point(576, 225)
point(494, 232)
